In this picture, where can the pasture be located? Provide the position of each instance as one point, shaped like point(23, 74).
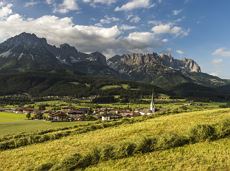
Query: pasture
point(13, 124)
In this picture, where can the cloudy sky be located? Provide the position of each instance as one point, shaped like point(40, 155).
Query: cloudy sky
point(197, 29)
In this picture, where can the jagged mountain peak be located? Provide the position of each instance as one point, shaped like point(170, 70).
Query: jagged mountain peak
point(27, 52)
point(148, 60)
point(27, 39)
point(99, 57)
point(67, 46)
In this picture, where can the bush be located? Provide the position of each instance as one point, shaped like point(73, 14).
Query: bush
point(86, 161)
point(126, 150)
point(96, 156)
point(147, 145)
point(70, 163)
point(223, 128)
point(44, 138)
point(44, 167)
point(108, 152)
point(170, 141)
point(227, 105)
point(21, 142)
point(202, 133)
point(4, 145)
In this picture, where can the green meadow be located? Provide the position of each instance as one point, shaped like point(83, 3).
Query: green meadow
point(13, 124)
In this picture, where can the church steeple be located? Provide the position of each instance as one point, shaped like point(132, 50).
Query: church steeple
point(152, 105)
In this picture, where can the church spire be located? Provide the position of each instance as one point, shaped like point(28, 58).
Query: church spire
point(152, 105)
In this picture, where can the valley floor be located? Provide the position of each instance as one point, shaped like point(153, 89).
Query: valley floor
point(13, 124)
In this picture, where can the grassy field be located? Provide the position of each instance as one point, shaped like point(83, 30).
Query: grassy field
point(200, 156)
point(13, 124)
point(108, 87)
point(31, 156)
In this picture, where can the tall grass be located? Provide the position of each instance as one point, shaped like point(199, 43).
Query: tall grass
point(147, 144)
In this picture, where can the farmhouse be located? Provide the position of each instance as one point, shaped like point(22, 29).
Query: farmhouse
point(28, 110)
point(108, 117)
point(58, 116)
point(76, 115)
point(18, 110)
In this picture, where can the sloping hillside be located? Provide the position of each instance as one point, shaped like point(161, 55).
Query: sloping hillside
point(54, 152)
point(61, 84)
point(201, 156)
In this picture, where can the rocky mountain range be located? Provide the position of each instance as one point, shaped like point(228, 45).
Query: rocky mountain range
point(28, 53)
point(140, 62)
point(149, 67)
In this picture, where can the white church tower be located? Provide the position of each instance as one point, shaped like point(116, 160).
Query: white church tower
point(152, 105)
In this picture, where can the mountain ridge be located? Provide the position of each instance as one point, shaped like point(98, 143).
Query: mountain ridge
point(28, 53)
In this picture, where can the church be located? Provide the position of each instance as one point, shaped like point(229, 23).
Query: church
point(152, 108)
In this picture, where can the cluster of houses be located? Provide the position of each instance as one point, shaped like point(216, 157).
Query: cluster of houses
point(71, 114)
point(63, 115)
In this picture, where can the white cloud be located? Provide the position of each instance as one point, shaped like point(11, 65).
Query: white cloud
point(61, 30)
point(176, 12)
point(66, 6)
point(180, 52)
point(127, 27)
point(169, 29)
point(31, 3)
point(134, 4)
point(109, 40)
point(217, 61)
point(103, 2)
point(90, 38)
point(154, 22)
point(133, 18)
point(221, 52)
point(142, 40)
point(141, 37)
point(165, 40)
point(108, 20)
point(5, 10)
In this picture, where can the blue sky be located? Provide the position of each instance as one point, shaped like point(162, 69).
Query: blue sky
point(197, 29)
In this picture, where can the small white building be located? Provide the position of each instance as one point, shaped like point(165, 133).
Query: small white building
point(105, 118)
point(109, 117)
